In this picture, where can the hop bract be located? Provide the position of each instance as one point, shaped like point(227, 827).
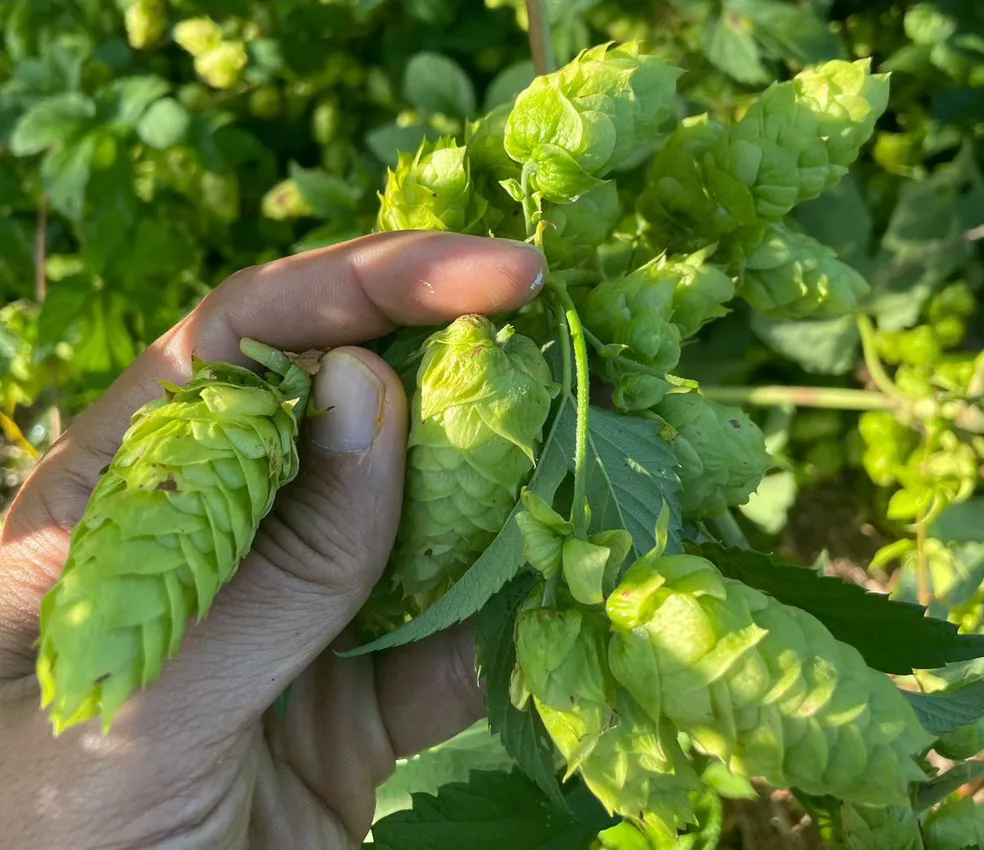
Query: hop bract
point(763, 686)
point(789, 275)
point(721, 452)
point(481, 402)
point(631, 762)
point(432, 190)
point(165, 528)
point(594, 115)
point(222, 66)
point(575, 230)
point(198, 35)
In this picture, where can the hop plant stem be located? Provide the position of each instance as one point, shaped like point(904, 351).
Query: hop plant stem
point(541, 39)
point(834, 398)
point(872, 361)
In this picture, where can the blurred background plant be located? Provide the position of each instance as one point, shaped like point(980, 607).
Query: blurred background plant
point(149, 148)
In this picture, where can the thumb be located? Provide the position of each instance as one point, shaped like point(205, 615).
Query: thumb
point(313, 563)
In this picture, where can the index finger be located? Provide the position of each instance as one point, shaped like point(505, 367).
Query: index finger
point(345, 294)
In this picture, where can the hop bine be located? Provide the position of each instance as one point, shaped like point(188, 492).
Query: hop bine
point(165, 528)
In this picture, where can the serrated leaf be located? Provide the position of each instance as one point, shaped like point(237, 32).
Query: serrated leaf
point(435, 83)
point(491, 811)
point(522, 732)
point(631, 472)
point(947, 711)
point(727, 42)
point(894, 637)
point(51, 121)
point(164, 124)
point(936, 790)
point(500, 561)
point(474, 749)
point(329, 196)
point(822, 347)
point(840, 219)
point(924, 242)
point(790, 31)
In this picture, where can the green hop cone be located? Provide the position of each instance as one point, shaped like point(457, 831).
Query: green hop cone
point(598, 113)
point(222, 66)
point(145, 22)
point(789, 275)
point(285, 201)
point(633, 390)
point(198, 35)
point(432, 190)
point(958, 824)
point(680, 211)
point(165, 528)
point(574, 230)
point(760, 685)
point(635, 311)
point(796, 139)
point(880, 828)
point(481, 403)
point(721, 452)
point(701, 292)
point(590, 567)
point(888, 445)
point(631, 763)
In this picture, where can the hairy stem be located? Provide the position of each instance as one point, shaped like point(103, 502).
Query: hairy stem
point(831, 397)
point(726, 527)
point(576, 331)
point(541, 40)
point(872, 361)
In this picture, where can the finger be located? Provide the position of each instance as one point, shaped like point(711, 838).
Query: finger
point(331, 297)
point(346, 723)
point(429, 691)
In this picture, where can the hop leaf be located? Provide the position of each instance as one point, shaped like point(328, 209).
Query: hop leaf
point(145, 22)
point(481, 403)
point(789, 275)
point(594, 115)
point(760, 685)
point(877, 828)
point(165, 528)
point(432, 190)
point(721, 452)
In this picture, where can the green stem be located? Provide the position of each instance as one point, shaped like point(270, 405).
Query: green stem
point(565, 353)
point(726, 527)
point(541, 39)
point(872, 361)
point(576, 330)
point(830, 397)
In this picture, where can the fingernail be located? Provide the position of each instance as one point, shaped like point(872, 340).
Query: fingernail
point(351, 397)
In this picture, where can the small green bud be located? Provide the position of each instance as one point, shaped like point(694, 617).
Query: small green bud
point(432, 190)
point(265, 102)
point(285, 201)
point(222, 66)
point(198, 36)
point(145, 21)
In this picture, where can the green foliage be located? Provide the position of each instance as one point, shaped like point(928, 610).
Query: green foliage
point(744, 216)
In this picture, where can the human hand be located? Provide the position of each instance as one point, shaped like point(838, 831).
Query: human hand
point(197, 760)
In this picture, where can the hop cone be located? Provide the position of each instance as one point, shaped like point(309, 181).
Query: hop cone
point(431, 190)
point(575, 230)
point(631, 762)
point(878, 828)
point(198, 35)
point(145, 21)
point(165, 528)
point(789, 275)
point(680, 211)
point(597, 113)
point(654, 307)
point(763, 686)
point(481, 403)
point(797, 139)
point(222, 66)
point(721, 452)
